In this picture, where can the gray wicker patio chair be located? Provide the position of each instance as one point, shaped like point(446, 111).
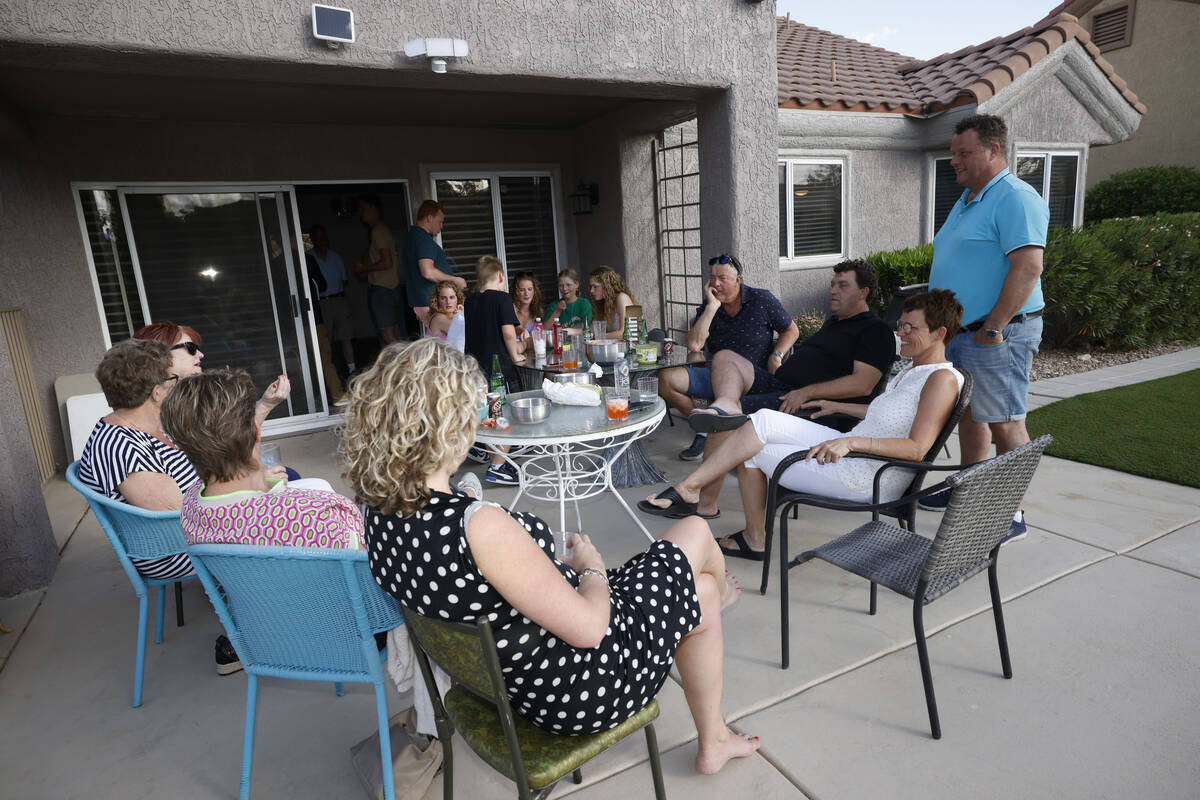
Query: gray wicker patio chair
point(983, 499)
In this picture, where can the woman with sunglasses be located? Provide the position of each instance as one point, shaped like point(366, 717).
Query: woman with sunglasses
point(186, 356)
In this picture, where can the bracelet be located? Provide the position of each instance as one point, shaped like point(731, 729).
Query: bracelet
point(596, 572)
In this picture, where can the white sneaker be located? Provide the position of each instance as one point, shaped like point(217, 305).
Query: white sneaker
point(471, 486)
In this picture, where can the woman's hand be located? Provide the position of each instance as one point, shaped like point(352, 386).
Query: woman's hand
point(275, 473)
point(277, 392)
point(584, 554)
point(829, 452)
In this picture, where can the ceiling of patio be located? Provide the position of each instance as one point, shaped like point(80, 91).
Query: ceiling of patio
point(140, 86)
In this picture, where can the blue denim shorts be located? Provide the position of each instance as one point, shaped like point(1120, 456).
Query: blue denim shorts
point(1001, 371)
point(700, 383)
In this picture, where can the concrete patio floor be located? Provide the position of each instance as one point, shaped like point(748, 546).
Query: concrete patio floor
point(1102, 603)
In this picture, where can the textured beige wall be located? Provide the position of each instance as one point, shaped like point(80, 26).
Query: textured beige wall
point(1161, 66)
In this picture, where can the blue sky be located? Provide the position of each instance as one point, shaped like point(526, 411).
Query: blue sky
point(918, 28)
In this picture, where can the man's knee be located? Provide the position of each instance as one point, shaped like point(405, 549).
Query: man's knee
point(1009, 435)
point(674, 380)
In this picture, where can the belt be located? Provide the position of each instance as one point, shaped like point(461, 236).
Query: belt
point(335, 294)
point(974, 326)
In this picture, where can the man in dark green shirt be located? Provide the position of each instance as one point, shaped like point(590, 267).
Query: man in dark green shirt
point(425, 262)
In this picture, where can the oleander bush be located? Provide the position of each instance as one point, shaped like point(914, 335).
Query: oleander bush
point(809, 321)
point(1143, 191)
point(896, 268)
point(1124, 283)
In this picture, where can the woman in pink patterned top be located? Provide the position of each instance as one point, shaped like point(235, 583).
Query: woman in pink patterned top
point(212, 421)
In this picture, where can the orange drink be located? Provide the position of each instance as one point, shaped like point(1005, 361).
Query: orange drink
point(617, 406)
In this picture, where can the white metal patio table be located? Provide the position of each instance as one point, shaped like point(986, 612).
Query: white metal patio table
point(569, 455)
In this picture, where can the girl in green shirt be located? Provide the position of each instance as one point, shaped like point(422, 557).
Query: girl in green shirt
point(572, 310)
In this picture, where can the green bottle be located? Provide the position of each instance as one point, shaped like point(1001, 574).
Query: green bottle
point(496, 381)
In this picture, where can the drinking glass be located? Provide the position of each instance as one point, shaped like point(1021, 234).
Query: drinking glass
point(599, 329)
point(616, 404)
point(270, 455)
point(647, 386)
point(572, 352)
point(562, 546)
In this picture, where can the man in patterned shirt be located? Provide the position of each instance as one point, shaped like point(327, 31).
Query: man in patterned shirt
point(735, 320)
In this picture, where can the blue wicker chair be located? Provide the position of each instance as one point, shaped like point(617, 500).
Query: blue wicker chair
point(137, 533)
point(302, 613)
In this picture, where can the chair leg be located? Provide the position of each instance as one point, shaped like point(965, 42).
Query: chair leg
point(784, 622)
point(139, 663)
point(874, 592)
point(660, 792)
point(339, 689)
point(385, 743)
point(445, 734)
point(998, 613)
point(766, 567)
point(248, 736)
point(161, 603)
point(935, 726)
point(577, 777)
point(179, 605)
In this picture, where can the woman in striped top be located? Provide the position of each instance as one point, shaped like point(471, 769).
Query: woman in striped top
point(128, 457)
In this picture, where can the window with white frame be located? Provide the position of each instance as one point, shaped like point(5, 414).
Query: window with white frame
point(1055, 176)
point(812, 209)
point(505, 214)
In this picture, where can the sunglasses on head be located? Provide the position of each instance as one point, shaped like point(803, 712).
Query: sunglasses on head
point(191, 347)
point(726, 259)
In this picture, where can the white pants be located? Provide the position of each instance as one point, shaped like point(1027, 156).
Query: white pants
point(783, 434)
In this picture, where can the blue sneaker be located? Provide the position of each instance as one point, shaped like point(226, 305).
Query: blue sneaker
point(936, 501)
point(1018, 529)
point(503, 474)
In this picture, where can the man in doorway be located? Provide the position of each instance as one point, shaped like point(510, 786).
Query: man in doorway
point(339, 320)
point(844, 360)
point(989, 253)
point(734, 317)
point(384, 293)
point(425, 262)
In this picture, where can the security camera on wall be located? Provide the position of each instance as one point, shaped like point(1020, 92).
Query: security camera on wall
point(437, 51)
point(333, 25)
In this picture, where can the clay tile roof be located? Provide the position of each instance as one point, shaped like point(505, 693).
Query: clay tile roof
point(821, 70)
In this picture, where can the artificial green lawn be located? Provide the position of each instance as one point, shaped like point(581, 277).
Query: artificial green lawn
point(1150, 429)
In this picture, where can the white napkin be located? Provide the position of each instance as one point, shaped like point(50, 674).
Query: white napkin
point(571, 394)
point(596, 371)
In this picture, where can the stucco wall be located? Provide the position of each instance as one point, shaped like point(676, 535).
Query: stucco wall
point(1161, 65)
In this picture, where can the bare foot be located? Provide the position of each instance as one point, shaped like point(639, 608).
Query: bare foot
point(713, 755)
point(733, 591)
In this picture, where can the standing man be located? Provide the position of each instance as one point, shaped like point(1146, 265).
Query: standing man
point(734, 317)
point(425, 262)
point(989, 253)
point(339, 320)
point(384, 293)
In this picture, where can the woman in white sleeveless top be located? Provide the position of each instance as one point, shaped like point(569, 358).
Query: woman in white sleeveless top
point(902, 422)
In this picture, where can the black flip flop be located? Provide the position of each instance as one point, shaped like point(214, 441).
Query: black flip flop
point(678, 509)
point(713, 515)
point(718, 422)
point(743, 550)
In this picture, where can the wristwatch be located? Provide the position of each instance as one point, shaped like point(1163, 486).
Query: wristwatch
point(780, 354)
point(992, 333)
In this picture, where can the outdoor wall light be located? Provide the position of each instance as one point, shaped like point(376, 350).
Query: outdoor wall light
point(437, 51)
point(584, 197)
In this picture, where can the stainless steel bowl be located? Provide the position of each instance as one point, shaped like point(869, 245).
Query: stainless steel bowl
point(606, 351)
point(528, 410)
point(571, 377)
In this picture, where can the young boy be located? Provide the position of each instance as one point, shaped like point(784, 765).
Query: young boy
point(572, 310)
point(491, 330)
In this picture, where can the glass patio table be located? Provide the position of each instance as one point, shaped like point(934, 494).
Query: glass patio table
point(569, 455)
point(632, 466)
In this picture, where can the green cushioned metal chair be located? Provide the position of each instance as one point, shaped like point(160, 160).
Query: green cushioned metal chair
point(477, 707)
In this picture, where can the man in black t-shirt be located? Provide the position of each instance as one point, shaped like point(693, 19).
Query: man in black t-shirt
point(842, 361)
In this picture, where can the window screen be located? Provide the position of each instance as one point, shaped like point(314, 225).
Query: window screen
point(114, 267)
point(816, 208)
point(470, 229)
point(946, 191)
point(1063, 172)
point(527, 211)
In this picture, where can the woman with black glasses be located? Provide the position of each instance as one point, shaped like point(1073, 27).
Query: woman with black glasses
point(184, 343)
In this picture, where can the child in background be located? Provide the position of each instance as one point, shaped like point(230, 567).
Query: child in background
point(492, 329)
point(572, 311)
point(446, 319)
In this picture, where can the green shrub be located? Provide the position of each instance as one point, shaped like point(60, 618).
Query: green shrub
point(1142, 191)
point(809, 321)
point(897, 268)
point(1124, 283)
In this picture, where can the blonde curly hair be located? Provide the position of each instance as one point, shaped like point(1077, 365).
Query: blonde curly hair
point(412, 412)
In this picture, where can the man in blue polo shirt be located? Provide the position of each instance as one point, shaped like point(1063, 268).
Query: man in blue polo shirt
point(989, 253)
point(734, 317)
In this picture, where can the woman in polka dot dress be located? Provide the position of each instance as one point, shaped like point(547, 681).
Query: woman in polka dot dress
point(582, 648)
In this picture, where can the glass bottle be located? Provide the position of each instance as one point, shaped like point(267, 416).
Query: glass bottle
point(496, 381)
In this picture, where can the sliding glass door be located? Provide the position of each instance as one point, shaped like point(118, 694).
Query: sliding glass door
point(226, 262)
